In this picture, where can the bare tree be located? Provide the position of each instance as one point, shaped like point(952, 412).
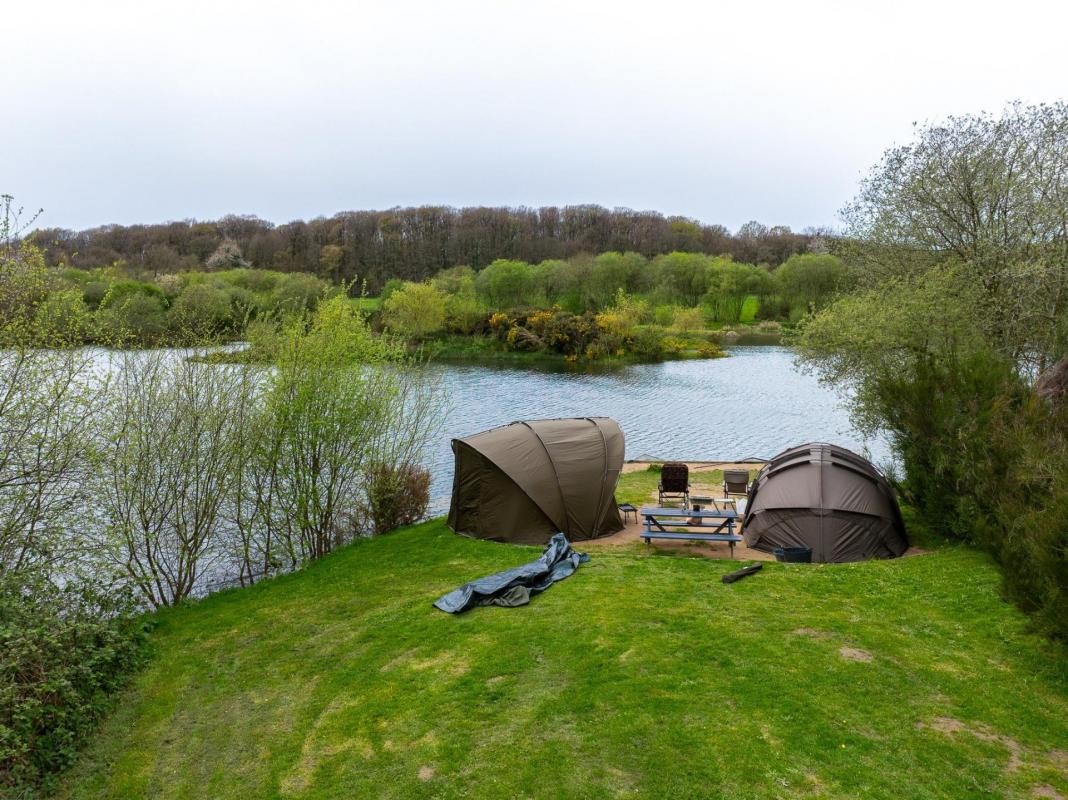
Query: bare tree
point(171, 461)
point(49, 403)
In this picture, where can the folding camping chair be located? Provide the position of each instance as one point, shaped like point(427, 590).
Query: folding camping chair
point(674, 482)
point(735, 481)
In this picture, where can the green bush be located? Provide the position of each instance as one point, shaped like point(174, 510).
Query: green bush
point(464, 314)
point(688, 319)
point(664, 315)
point(415, 310)
point(396, 496)
point(506, 284)
point(392, 285)
point(62, 318)
point(94, 293)
point(139, 319)
point(201, 312)
point(259, 281)
point(63, 652)
point(120, 291)
point(298, 293)
point(647, 342)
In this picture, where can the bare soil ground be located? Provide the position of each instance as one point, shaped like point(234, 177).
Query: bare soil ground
point(630, 535)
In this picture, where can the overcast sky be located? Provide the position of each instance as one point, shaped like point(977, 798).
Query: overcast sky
point(150, 111)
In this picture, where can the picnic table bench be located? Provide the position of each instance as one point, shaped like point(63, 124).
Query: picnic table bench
point(658, 520)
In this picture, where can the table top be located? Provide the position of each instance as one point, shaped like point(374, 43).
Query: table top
point(687, 512)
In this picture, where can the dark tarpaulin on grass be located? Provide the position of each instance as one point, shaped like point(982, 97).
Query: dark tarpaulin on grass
point(513, 587)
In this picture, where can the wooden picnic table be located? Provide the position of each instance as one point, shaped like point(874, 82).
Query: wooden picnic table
point(658, 520)
point(718, 503)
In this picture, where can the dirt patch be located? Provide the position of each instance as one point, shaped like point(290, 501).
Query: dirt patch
point(812, 633)
point(1046, 791)
point(949, 726)
point(426, 773)
point(944, 725)
point(855, 654)
point(630, 538)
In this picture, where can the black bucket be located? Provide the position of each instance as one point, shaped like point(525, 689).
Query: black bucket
point(793, 555)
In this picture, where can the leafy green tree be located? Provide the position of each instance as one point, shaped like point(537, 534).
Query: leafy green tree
point(991, 192)
point(392, 285)
point(334, 410)
point(507, 284)
point(415, 311)
point(729, 284)
point(962, 244)
point(455, 280)
point(681, 277)
point(809, 281)
point(610, 273)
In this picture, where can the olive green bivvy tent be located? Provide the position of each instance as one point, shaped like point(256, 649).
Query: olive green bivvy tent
point(525, 481)
point(828, 499)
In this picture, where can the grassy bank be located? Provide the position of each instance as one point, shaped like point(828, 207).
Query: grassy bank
point(640, 676)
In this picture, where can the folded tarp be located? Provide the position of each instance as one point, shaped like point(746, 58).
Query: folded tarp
point(513, 587)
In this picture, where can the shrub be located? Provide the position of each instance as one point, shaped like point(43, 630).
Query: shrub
point(688, 319)
point(63, 318)
point(171, 285)
point(260, 281)
point(63, 652)
point(392, 285)
point(94, 293)
point(464, 314)
point(455, 280)
point(139, 319)
point(414, 311)
point(506, 284)
point(201, 312)
point(710, 350)
point(569, 333)
point(396, 496)
point(298, 293)
point(119, 291)
point(648, 342)
point(664, 315)
point(672, 345)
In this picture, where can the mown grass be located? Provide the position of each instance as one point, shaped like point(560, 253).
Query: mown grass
point(641, 676)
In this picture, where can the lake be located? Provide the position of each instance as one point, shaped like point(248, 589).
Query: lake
point(751, 405)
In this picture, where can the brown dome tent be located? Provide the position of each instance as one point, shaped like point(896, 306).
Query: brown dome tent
point(826, 498)
point(526, 481)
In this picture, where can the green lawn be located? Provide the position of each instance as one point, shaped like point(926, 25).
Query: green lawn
point(368, 304)
point(641, 676)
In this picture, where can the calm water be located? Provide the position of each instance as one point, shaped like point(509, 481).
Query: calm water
point(751, 405)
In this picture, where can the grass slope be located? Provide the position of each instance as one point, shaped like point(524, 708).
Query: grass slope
point(641, 676)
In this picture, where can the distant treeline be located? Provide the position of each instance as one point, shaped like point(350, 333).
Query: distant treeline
point(413, 243)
